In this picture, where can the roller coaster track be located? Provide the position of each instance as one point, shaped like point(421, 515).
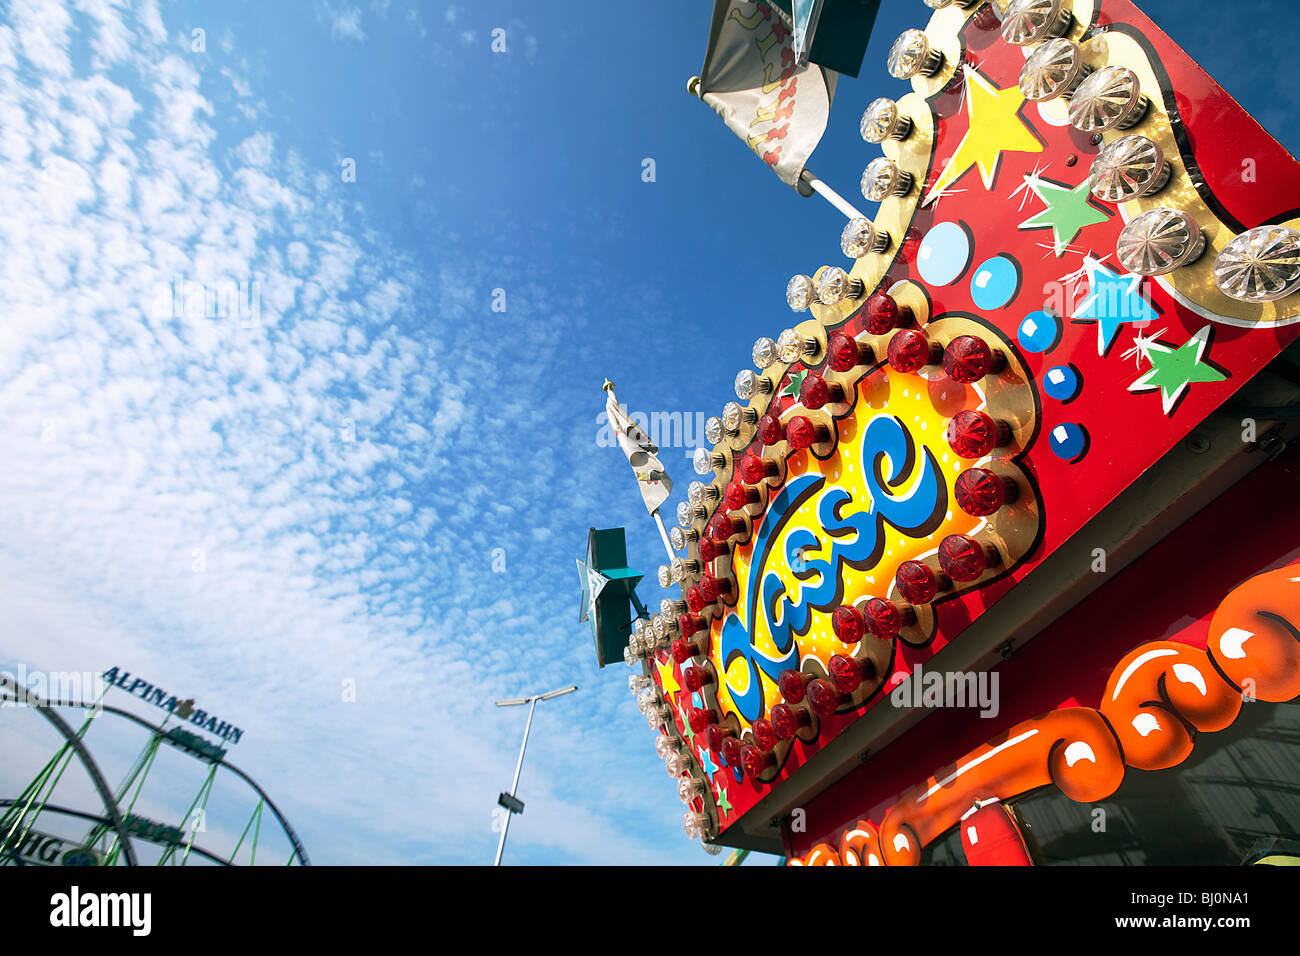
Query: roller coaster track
point(110, 804)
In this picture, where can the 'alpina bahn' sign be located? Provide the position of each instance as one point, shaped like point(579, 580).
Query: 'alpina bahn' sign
point(184, 709)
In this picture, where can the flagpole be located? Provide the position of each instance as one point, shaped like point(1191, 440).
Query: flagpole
point(663, 533)
point(830, 195)
point(659, 521)
point(841, 205)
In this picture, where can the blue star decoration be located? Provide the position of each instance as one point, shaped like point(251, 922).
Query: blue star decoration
point(706, 761)
point(1113, 301)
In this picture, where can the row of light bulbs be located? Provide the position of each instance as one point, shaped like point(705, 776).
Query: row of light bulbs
point(1260, 265)
point(670, 748)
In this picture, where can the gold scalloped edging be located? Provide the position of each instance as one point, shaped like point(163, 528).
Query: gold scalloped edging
point(1013, 533)
point(1192, 285)
point(894, 217)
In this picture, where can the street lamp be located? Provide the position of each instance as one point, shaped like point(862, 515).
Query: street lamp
point(508, 800)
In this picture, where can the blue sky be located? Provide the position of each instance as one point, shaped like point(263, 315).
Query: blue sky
point(255, 510)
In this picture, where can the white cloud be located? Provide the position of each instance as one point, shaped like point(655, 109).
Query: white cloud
point(343, 19)
point(254, 512)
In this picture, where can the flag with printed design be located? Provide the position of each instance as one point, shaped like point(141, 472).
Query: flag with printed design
point(752, 79)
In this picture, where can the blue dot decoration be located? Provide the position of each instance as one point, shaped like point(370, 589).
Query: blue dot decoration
point(944, 254)
point(1039, 331)
point(1069, 441)
point(1062, 382)
point(995, 283)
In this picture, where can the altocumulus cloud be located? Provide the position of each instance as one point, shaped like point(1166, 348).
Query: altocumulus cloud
point(272, 483)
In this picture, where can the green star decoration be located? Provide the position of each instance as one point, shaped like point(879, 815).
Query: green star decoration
point(795, 381)
point(1173, 369)
point(724, 805)
point(1068, 211)
point(686, 723)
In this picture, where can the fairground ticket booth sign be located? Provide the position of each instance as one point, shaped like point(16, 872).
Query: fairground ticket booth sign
point(1001, 538)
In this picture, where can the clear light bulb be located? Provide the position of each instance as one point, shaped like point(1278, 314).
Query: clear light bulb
point(713, 430)
point(695, 492)
point(702, 462)
point(764, 352)
point(800, 293)
point(789, 346)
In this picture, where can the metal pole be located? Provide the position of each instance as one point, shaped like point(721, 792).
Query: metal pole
point(515, 786)
point(659, 522)
point(830, 195)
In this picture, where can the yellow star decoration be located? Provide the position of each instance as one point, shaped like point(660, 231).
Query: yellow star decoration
point(995, 126)
point(667, 679)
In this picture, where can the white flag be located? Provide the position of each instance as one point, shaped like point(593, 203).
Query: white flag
point(641, 454)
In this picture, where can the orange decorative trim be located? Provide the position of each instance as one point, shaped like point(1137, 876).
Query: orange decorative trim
point(860, 846)
point(1159, 696)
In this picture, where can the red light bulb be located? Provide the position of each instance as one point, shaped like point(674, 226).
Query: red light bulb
point(911, 351)
point(848, 623)
point(770, 430)
point(730, 751)
point(765, 737)
point(714, 736)
point(803, 433)
point(987, 18)
point(843, 353)
point(696, 678)
point(847, 673)
point(687, 624)
point(695, 599)
point(738, 495)
point(683, 650)
point(723, 528)
point(755, 469)
point(917, 582)
point(816, 392)
point(712, 587)
point(823, 697)
point(755, 760)
point(973, 434)
point(980, 492)
point(885, 619)
point(701, 719)
point(787, 720)
point(964, 559)
point(792, 685)
point(884, 314)
point(968, 359)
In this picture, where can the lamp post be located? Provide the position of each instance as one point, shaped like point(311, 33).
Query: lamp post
point(532, 705)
